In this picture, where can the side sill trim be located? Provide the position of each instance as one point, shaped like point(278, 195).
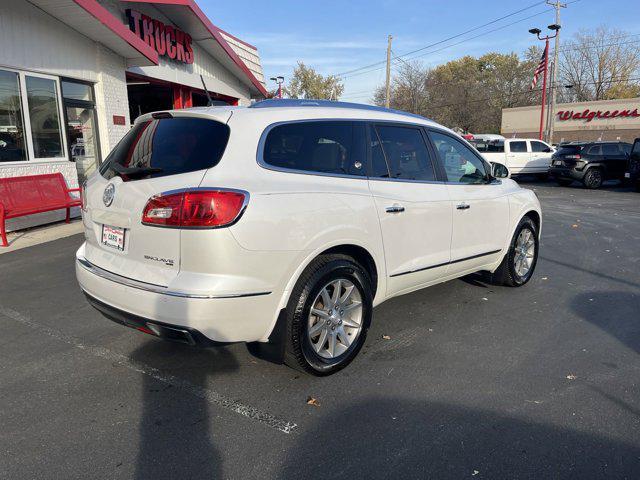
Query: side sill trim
point(150, 287)
point(446, 263)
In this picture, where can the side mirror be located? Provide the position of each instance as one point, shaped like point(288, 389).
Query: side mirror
point(547, 150)
point(499, 171)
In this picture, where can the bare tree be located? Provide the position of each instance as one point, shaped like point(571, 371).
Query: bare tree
point(408, 89)
point(601, 64)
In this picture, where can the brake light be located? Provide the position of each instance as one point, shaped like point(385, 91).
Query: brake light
point(198, 208)
point(573, 157)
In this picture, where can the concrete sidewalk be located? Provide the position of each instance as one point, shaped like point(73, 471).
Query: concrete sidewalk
point(42, 234)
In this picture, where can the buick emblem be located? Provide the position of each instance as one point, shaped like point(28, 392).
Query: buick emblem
point(108, 194)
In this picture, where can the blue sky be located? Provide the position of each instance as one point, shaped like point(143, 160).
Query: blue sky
point(337, 36)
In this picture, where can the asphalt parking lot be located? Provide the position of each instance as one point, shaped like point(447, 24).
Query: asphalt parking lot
point(474, 381)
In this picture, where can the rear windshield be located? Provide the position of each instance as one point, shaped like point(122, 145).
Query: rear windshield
point(489, 146)
point(167, 146)
point(569, 149)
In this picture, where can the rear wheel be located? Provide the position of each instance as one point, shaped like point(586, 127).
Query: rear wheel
point(520, 261)
point(328, 315)
point(593, 178)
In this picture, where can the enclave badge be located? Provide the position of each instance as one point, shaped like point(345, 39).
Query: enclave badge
point(108, 194)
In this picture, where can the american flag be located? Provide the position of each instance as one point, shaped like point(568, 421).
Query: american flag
point(540, 68)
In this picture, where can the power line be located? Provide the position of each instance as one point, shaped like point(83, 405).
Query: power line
point(446, 39)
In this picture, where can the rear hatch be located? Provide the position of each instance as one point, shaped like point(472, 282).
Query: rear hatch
point(161, 153)
point(567, 156)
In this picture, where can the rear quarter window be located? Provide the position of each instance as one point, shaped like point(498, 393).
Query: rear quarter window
point(168, 146)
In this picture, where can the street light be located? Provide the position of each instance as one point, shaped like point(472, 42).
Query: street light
point(536, 31)
point(279, 80)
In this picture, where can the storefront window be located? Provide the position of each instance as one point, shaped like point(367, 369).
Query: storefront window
point(44, 115)
point(77, 91)
point(12, 145)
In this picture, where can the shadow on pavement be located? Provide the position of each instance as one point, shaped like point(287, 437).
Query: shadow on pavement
point(390, 438)
point(615, 312)
point(175, 438)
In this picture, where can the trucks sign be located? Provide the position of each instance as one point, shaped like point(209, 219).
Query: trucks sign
point(167, 40)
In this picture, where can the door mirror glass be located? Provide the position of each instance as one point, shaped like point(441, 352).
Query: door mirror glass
point(547, 150)
point(499, 171)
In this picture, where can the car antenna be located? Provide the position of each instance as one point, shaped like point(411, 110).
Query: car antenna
point(209, 101)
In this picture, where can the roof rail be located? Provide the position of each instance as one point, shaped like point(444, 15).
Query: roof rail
point(294, 102)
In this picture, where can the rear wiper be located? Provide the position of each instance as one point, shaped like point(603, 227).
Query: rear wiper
point(134, 171)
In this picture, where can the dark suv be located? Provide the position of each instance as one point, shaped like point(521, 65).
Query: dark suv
point(590, 162)
point(634, 165)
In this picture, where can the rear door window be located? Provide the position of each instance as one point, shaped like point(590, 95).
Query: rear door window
point(539, 146)
point(518, 147)
point(321, 147)
point(610, 150)
point(405, 151)
point(595, 150)
point(167, 146)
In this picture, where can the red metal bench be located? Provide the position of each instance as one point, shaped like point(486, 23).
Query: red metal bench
point(21, 196)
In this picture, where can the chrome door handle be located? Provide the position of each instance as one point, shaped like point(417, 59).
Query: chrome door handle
point(394, 209)
point(463, 206)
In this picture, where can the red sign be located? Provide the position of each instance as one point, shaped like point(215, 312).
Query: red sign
point(119, 120)
point(589, 115)
point(167, 40)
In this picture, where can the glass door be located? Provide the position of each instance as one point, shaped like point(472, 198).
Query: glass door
point(82, 135)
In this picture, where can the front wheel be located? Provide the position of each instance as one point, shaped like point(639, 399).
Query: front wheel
point(520, 261)
point(328, 315)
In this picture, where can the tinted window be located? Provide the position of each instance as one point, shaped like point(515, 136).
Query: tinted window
point(595, 150)
point(518, 147)
point(636, 149)
point(539, 146)
point(323, 147)
point(488, 146)
point(406, 153)
point(625, 148)
point(569, 149)
point(379, 167)
point(610, 150)
point(459, 161)
point(172, 145)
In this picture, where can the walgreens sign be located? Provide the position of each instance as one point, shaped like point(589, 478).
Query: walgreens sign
point(167, 40)
point(589, 115)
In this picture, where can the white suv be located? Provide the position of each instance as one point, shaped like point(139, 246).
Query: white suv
point(287, 222)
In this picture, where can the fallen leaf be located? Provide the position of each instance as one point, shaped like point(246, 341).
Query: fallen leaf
point(485, 299)
point(386, 337)
point(312, 401)
point(574, 226)
point(545, 278)
point(475, 472)
point(571, 376)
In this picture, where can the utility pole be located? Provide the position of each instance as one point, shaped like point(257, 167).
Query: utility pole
point(554, 75)
point(545, 62)
point(387, 101)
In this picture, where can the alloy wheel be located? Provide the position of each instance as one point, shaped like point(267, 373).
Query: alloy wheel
point(335, 320)
point(525, 249)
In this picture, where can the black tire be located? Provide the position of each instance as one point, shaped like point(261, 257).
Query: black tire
point(593, 178)
point(506, 274)
point(298, 351)
point(564, 183)
point(637, 186)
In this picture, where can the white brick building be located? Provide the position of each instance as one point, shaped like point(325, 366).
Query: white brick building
point(74, 74)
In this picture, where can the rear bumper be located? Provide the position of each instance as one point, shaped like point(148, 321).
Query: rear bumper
point(566, 173)
point(189, 336)
point(245, 317)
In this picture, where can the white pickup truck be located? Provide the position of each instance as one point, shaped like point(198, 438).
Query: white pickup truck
point(520, 155)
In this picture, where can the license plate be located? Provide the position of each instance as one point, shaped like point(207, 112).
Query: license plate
point(557, 162)
point(113, 237)
point(627, 175)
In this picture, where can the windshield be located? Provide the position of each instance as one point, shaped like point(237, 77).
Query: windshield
point(167, 146)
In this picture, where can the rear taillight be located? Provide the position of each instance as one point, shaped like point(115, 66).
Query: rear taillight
point(197, 208)
point(573, 157)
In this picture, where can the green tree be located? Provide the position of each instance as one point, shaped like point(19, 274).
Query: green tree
point(307, 83)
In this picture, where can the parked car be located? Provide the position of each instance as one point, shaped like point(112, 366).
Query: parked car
point(522, 156)
point(590, 163)
point(287, 222)
point(634, 165)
